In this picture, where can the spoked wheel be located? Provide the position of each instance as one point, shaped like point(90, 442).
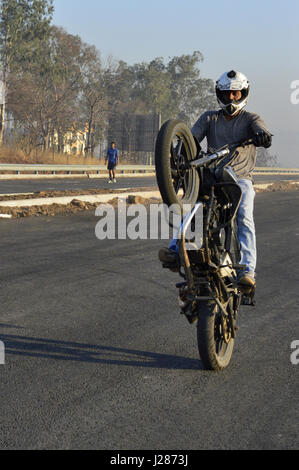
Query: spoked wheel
point(175, 148)
point(215, 342)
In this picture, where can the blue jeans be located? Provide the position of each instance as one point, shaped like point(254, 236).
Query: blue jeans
point(246, 227)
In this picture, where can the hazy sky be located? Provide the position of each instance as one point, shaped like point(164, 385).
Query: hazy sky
point(258, 37)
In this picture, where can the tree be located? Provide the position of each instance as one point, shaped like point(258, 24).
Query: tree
point(93, 98)
point(264, 158)
point(152, 86)
point(24, 25)
point(174, 89)
point(191, 95)
point(48, 101)
point(56, 86)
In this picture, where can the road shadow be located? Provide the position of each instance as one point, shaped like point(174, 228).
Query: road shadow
point(90, 353)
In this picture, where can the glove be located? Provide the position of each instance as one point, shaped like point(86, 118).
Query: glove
point(262, 139)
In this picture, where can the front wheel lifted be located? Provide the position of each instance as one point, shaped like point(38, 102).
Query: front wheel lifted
point(215, 343)
point(175, 149)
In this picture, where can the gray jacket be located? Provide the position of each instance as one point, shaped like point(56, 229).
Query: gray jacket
point(220, 132)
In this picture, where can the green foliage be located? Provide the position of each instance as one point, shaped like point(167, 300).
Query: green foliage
point(24, 25)
point(46, 98)
point(24, 29)
point(56, 84)
point(174, 89)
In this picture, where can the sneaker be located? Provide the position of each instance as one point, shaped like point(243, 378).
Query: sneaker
point(110, 181)
point(246, 281)
point(169, 259)
point(114, 181)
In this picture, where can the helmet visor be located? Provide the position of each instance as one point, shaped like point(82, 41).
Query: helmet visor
point(231, 96)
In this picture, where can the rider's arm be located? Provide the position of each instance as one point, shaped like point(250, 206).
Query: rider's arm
point(262, 135)
point(257, 124)
point(200, 128)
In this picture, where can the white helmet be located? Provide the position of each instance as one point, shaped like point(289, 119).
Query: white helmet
point(232, 81)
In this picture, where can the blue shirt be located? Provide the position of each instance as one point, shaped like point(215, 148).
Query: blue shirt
point(112, 155)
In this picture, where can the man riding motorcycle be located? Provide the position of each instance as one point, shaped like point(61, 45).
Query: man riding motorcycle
point(228, 125)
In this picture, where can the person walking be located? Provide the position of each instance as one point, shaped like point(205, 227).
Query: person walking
point(112, 158)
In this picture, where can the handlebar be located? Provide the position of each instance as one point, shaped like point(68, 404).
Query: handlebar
point(223, 152)
point(243, 143)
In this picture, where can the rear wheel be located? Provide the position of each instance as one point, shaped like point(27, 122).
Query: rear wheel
point(215, 343)
point(175, 148)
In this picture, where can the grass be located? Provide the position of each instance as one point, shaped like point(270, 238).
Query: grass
point(12, 154)
point(15, 154)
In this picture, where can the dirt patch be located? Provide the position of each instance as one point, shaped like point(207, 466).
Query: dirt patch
point(75, 192)
point(282, 186)
point(54, 209)
point(133, 199)
point(74, 207)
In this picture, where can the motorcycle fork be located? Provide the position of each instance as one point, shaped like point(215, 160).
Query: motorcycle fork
point(227, 315)
point(207, 224)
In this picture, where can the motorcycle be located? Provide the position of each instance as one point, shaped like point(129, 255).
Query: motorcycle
point(209, 294)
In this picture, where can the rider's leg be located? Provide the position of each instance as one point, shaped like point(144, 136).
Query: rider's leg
point(174, 245)
point(170, 255)
point(246, 228)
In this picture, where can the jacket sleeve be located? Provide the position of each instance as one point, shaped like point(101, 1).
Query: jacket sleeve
point(257, 124)
point(200, 128)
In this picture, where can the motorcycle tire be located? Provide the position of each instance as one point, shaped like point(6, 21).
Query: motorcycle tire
point(215, 354)
point(177, 184)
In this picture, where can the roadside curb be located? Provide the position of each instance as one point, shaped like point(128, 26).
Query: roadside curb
point(92, 199)
point(75, 176)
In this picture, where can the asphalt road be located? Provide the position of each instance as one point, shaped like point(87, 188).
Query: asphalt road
point(98, 357)
point(35, 185)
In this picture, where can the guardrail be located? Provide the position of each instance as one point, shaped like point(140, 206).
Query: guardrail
point(276, 171)
point(69, 169)
point(85, 169)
